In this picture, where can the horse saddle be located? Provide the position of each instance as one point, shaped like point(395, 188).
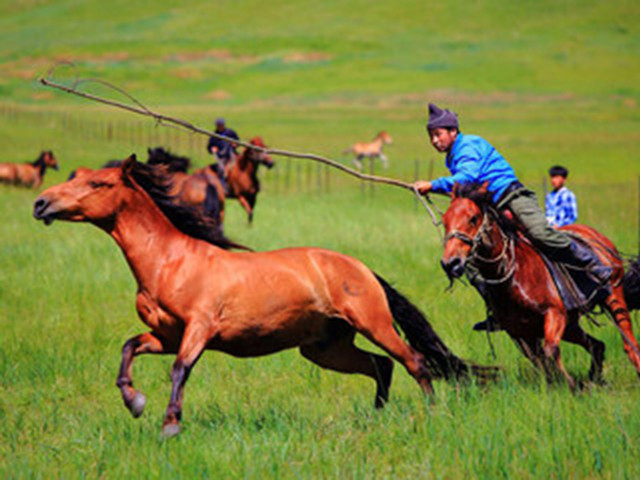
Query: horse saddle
point(579, 289)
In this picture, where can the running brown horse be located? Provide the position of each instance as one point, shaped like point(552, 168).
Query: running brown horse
point(195, 294)
point(28, 174)
point(242, 177)
point(524, 297)
point(371, 149)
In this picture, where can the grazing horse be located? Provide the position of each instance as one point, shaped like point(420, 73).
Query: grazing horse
point(372, 149)
point(242, 176)
point(28, 174)
point(523, 295)
point(195, 294)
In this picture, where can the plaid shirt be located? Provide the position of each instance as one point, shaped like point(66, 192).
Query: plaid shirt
point(561, 207)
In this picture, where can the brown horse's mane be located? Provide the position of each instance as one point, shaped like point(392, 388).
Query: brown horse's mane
point(156, 181)
point(174, 163)
point(484, 200)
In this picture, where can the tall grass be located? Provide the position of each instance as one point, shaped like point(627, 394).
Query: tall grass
point(545, 82)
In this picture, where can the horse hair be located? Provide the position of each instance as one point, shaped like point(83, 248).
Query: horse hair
point(174, 163)
point(484, 200)
point(191, 221)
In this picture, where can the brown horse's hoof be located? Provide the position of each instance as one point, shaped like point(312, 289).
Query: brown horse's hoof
point(170, 430)
point(137, 405)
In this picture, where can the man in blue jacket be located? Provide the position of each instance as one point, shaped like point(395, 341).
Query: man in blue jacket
point(471, 159)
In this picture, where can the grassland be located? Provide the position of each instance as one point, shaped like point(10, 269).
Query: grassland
point(545, 82)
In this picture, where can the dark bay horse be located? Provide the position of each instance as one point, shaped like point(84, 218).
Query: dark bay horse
point(242, 177)
point(28, 174)
point(524, 297)
point(195, 294)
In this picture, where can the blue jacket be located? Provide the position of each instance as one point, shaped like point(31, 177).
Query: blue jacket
point(225, 149)
point(473, 159)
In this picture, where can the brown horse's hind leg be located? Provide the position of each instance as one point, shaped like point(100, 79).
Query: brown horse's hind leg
point(145, 343)
point(575, 334)
point(617, 307)
point(385, 336)
point(340, 354)
point(555, 323)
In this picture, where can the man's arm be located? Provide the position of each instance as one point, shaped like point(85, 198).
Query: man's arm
point(467, 171)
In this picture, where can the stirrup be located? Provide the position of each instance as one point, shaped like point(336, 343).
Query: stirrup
point(490, 324)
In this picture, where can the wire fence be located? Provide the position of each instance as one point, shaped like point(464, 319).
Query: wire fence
point(115, 132)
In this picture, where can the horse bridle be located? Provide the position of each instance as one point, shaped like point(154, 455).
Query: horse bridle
point(475, 241)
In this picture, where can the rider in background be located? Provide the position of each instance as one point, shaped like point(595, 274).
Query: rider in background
point(471, 159)
point(224, 151)
point(561, 206)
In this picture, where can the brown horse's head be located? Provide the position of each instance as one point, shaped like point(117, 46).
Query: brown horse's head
point(463, 221)
point(45, 160)
point(92, 196)
point(256, 156)
point(385, 137)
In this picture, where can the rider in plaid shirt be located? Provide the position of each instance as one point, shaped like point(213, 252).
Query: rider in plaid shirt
point(560, 205)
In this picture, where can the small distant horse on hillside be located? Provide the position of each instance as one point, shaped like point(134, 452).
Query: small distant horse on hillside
point(196, 295)
point(28, 174)
point(371, 149)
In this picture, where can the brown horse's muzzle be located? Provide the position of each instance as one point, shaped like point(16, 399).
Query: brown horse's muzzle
point(454, 266)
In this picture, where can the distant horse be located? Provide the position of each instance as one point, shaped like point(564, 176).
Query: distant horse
point(371, 149)
point(28, 174)
point(524, 297)
point(200, 189)
point(194, 294)
point(242, 177)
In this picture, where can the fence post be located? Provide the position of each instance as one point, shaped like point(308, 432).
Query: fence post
point(416, 177)
point(371, 172)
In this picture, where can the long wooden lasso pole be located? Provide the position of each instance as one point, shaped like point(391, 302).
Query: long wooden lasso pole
point(141, 109)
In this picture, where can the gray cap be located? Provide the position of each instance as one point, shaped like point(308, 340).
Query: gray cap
point(439, 118)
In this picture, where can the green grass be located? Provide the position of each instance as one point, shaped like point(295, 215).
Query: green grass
point(544, 82)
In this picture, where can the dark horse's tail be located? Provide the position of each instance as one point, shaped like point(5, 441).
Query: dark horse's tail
point(631, 285)
point(441, 361)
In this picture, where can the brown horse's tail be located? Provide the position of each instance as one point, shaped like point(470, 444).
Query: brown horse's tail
point(441, 361)
point(631, 285)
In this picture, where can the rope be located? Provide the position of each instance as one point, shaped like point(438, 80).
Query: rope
point(161, 119)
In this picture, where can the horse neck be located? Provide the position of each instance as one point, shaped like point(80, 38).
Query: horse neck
point(146, 237)
point(40, 165)
point(378, 141)
point(491, 246)
point(245, 163)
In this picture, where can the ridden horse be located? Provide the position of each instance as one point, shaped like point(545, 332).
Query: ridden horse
point(242, 175)
point(194, 294)
point(28, 174)
point(371, 149)
point(523, 295)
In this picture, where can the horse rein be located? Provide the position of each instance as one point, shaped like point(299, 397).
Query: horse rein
point(508, 249)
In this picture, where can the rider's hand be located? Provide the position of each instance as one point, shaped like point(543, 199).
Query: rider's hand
point(423, 186)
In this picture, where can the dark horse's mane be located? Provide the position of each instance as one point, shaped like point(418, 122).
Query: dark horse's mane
point(174, 163)
point(157, 182)
point(39, 162)
point(484, 200)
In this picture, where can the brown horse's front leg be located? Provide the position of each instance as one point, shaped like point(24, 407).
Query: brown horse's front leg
point(245, 204)
point(145, 343)
point(193, 344)
point(555, 323)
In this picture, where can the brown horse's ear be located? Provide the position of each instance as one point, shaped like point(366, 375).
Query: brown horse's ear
point(127, 165)
point(483, 188)
point(454, 190)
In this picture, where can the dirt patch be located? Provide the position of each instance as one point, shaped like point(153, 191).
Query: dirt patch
point(219, 55)
point(42, 95)
point(186, 72)
point(306, 57)
point(217, 95)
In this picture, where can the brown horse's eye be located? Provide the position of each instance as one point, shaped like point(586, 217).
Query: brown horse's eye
point(98, 184)
point(474, 220)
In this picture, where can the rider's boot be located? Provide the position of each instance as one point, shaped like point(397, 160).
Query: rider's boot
point(580, 257)
point(489, 324)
